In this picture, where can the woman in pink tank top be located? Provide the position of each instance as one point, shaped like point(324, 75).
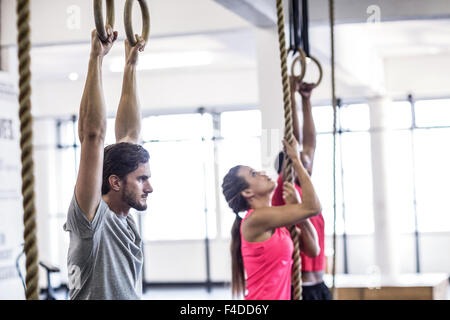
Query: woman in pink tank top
point(261, 247)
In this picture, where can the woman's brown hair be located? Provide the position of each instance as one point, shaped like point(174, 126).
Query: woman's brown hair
point(232, 186)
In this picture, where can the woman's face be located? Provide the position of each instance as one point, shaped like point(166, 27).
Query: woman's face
point(259, 183)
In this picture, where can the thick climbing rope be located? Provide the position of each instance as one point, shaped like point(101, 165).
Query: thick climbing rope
point(333, 93)
point(26, 145)
point(289, 136)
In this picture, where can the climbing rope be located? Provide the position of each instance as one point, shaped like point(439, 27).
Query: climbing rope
point(289, 136)
point(333, 93)
point(128, 21)
point(26, 145)
point(98, 15)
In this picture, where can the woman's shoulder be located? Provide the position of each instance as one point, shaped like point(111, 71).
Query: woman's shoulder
point(258, 218)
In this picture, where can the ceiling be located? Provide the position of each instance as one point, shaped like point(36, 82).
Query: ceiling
point(237, 48)
point(204, 30)
point(67, 21)
point(227, 49)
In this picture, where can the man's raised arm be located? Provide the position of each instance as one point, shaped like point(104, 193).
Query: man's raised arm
point(306, 137)
point(92, 129)
point(309, 129)
point(128, 119)
point(295, 86)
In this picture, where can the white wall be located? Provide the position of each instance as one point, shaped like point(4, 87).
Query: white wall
point(184, 261)
point(424, 75)
point(11, 212)
point(157, 90)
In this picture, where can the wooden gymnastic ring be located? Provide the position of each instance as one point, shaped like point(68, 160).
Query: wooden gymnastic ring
point(319, 66)
point(129, 25)
point(302, 59)
point(98, 15)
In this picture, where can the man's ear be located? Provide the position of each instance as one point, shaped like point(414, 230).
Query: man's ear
point(115, 183)
point(247, 194)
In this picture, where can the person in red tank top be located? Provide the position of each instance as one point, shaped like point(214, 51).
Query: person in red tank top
point(313, 267)
point(261, 247)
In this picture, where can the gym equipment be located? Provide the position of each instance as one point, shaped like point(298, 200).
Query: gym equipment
point(98, 15)
point(334, 102)
point(299, 40)
point(129, 25)
point(303, 60)
point(289, 136)
point(26, 145)
point(128, 16)
point(49, 293)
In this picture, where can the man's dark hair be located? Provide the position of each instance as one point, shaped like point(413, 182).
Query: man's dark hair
point(121, 159)
point(279, 162)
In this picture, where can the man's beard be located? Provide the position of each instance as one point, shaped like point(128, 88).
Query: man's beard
point(130, 199)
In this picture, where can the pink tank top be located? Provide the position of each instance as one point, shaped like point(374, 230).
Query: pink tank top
point(268, 266)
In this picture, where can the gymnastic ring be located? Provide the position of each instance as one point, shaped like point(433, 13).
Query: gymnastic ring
point(319, 66)
point(302, 59)
point(98, 15)
point(129, 25)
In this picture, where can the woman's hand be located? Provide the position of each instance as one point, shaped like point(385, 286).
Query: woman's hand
point(292, 150)
point(290, 194)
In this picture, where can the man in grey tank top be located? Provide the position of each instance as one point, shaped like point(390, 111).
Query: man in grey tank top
point(105, 252)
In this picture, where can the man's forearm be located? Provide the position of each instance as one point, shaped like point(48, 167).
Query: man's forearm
point(309, 239)
point(295, 122)
point(128, 119)
point(310, 198)
point(92, 122)
point(309, 129)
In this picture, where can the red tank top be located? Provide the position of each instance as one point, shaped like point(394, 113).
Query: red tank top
point(268, 266)
point(308, 264)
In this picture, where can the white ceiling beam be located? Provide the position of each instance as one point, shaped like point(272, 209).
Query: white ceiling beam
point(263, 13)
point(255, 12)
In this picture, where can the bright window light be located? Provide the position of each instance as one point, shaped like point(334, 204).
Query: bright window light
point(73, 76)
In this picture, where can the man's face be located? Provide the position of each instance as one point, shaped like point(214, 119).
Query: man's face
point(137, 187)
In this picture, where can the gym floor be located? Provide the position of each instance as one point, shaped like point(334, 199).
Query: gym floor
point(177, 293)
point(188, 293)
